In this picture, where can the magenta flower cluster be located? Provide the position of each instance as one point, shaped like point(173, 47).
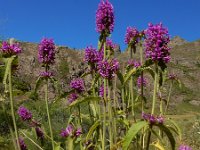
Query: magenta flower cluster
point(141, 81)
point(172, 76)
point(132, 35)
point(70, 131)
point(153, 119)
point(77, 85)
point(72, 97)
point(24, 113)
point(108, 68)
point(46, 51)
point(156, 41)
point(184, 147)
point(10, 49)
point(22, 144)
point(134, 63)
point(39, 133)
point(105, 17)
point(92, 55)
point(46, 74)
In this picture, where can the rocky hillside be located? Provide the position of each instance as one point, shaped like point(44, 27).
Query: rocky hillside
point(69, 63)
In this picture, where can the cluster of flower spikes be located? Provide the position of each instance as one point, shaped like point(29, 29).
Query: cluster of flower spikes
point(141, 80)
point(46, 51)
point(22, 144)
point(26, 115)
point(105, 17)
point(156, 41)
point(108, 68)
point(134, 63)
point(153, 119)
point(70, 131)
point(10, 49)
point(184, 147)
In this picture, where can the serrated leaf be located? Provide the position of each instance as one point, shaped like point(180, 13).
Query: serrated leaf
point(150, 71)
point(92, 129)
point(169, 135)
point(132, 132)
point(85, 99)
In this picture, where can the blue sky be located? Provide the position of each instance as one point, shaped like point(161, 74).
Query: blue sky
point(72, 22)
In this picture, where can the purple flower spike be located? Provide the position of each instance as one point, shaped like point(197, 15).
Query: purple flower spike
point(101, 91)
point(184, 147)
point(92, 55)
point(39, 133)
point(72, 97)
point(10, 49)
point(172, 76)
point(141, 81)
point(110, 45)
point(46, 51)
point(152, 119)
point(22, 144)
point(67, 132)
point(78, 132)
point(77, 84)
point(133, 63)
point(107, 69)
point(132, 35)
point(24, 113)
point(156, 41)
point(105, 17)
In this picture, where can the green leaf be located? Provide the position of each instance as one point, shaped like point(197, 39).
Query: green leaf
point(120, 77)
point(85, 99)
point(169, 135)
point(177, 128)
point(129, 74)
point(158, 145)
point(95, 80)
point(92, 129)
point(38, 83)
point(150, 71)
point(132, 132)
point(8, 62)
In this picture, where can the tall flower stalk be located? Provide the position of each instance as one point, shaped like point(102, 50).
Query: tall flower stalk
point(46, 56)
point(9, 52)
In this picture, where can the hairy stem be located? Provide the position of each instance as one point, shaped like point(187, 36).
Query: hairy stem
point(12, 108)
point(155, 89)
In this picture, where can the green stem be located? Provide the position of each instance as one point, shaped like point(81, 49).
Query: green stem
point(49, 119)
point(168, 98)
point(149, 138)
point(104, 108)
point(12, 108)
point(70, 145)
point(10, 127)
point(155, 89)
point(142, 76)
point(110, 118)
